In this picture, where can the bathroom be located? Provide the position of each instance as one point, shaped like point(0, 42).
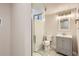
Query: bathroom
point(53, 25)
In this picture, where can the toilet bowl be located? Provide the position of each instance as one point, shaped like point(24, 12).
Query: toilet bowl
point(46, 45)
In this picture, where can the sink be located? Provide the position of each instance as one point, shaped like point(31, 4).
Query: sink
point(66, 36)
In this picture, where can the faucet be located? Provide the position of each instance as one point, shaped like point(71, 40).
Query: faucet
point(63, 33)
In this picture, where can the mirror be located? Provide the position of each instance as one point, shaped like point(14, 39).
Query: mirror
point(64, 24)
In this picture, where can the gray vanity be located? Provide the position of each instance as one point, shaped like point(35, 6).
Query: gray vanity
point(63, 37)
point(64, 44)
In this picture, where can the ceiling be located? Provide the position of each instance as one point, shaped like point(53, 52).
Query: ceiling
point(54, 7)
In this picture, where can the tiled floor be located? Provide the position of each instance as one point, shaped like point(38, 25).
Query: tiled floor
point(46, 53)
point(36, 54)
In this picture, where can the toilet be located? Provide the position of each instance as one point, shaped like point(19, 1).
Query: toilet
point(46, 43)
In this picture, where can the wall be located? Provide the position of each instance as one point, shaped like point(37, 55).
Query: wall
point(51, 23)
point(5, 13)
point(21, 29)
point(51, 28)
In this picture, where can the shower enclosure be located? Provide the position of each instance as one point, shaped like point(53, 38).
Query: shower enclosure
point(38, 19)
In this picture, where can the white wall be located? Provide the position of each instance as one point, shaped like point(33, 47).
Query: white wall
point(15, 29)
point(5, 13)
point(51, 28)
point(21, 29)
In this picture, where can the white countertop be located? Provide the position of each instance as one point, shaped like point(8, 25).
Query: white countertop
point(66, 36)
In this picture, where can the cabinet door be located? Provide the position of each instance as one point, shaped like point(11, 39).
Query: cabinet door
point(67, 46)
point(59, 44)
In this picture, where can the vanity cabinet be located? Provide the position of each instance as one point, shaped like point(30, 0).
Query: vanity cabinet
point(64, 45)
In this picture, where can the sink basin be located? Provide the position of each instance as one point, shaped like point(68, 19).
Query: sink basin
point(66, 36)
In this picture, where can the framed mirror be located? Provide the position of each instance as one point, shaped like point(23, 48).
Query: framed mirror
point(64, 23)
